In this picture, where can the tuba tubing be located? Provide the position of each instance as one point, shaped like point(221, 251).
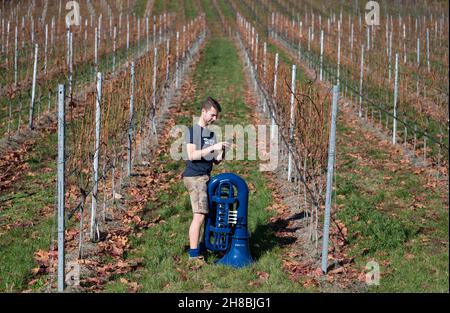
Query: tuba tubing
point(226, 224)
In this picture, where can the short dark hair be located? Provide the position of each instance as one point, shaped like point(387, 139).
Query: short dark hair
point(209, 103)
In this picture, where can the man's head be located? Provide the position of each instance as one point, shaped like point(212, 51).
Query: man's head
point(210, 111)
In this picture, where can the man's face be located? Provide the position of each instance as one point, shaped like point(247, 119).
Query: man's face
point(210, 116)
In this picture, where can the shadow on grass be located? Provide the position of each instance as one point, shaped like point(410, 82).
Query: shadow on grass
point(265, 237)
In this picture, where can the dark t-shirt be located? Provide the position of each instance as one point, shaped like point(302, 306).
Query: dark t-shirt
point(202, 138)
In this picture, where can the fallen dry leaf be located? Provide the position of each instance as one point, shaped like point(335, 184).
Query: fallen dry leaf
point(263, 275)
point(409, 256)
point(318, 271)
point(337, 270)
point(183, 274)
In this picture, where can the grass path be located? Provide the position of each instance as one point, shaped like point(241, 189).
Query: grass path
point(396, 215)
point(26, 215)
point(163, 247)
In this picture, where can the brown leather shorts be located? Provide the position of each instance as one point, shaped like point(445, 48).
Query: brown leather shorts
point(197, 188)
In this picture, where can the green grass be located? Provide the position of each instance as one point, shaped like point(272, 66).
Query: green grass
point(24, 204)
point(410, 244)
point(158, 7)
point(31, 199)
point(226, 10)
point(173, 6)
point(218, 74)
point(190, 11)
point(426, 272)
point(139, 7)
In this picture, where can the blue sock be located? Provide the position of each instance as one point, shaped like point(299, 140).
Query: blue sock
point(193, 253)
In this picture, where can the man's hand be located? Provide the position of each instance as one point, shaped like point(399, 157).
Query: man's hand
point(224, 145)
point(220, 154)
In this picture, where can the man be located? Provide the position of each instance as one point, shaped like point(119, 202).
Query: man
point(202, 151)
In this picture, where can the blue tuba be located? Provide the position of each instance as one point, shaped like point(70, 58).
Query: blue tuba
point(226, 224)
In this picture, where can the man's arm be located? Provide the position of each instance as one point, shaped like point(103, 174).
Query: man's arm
point(194, 154)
